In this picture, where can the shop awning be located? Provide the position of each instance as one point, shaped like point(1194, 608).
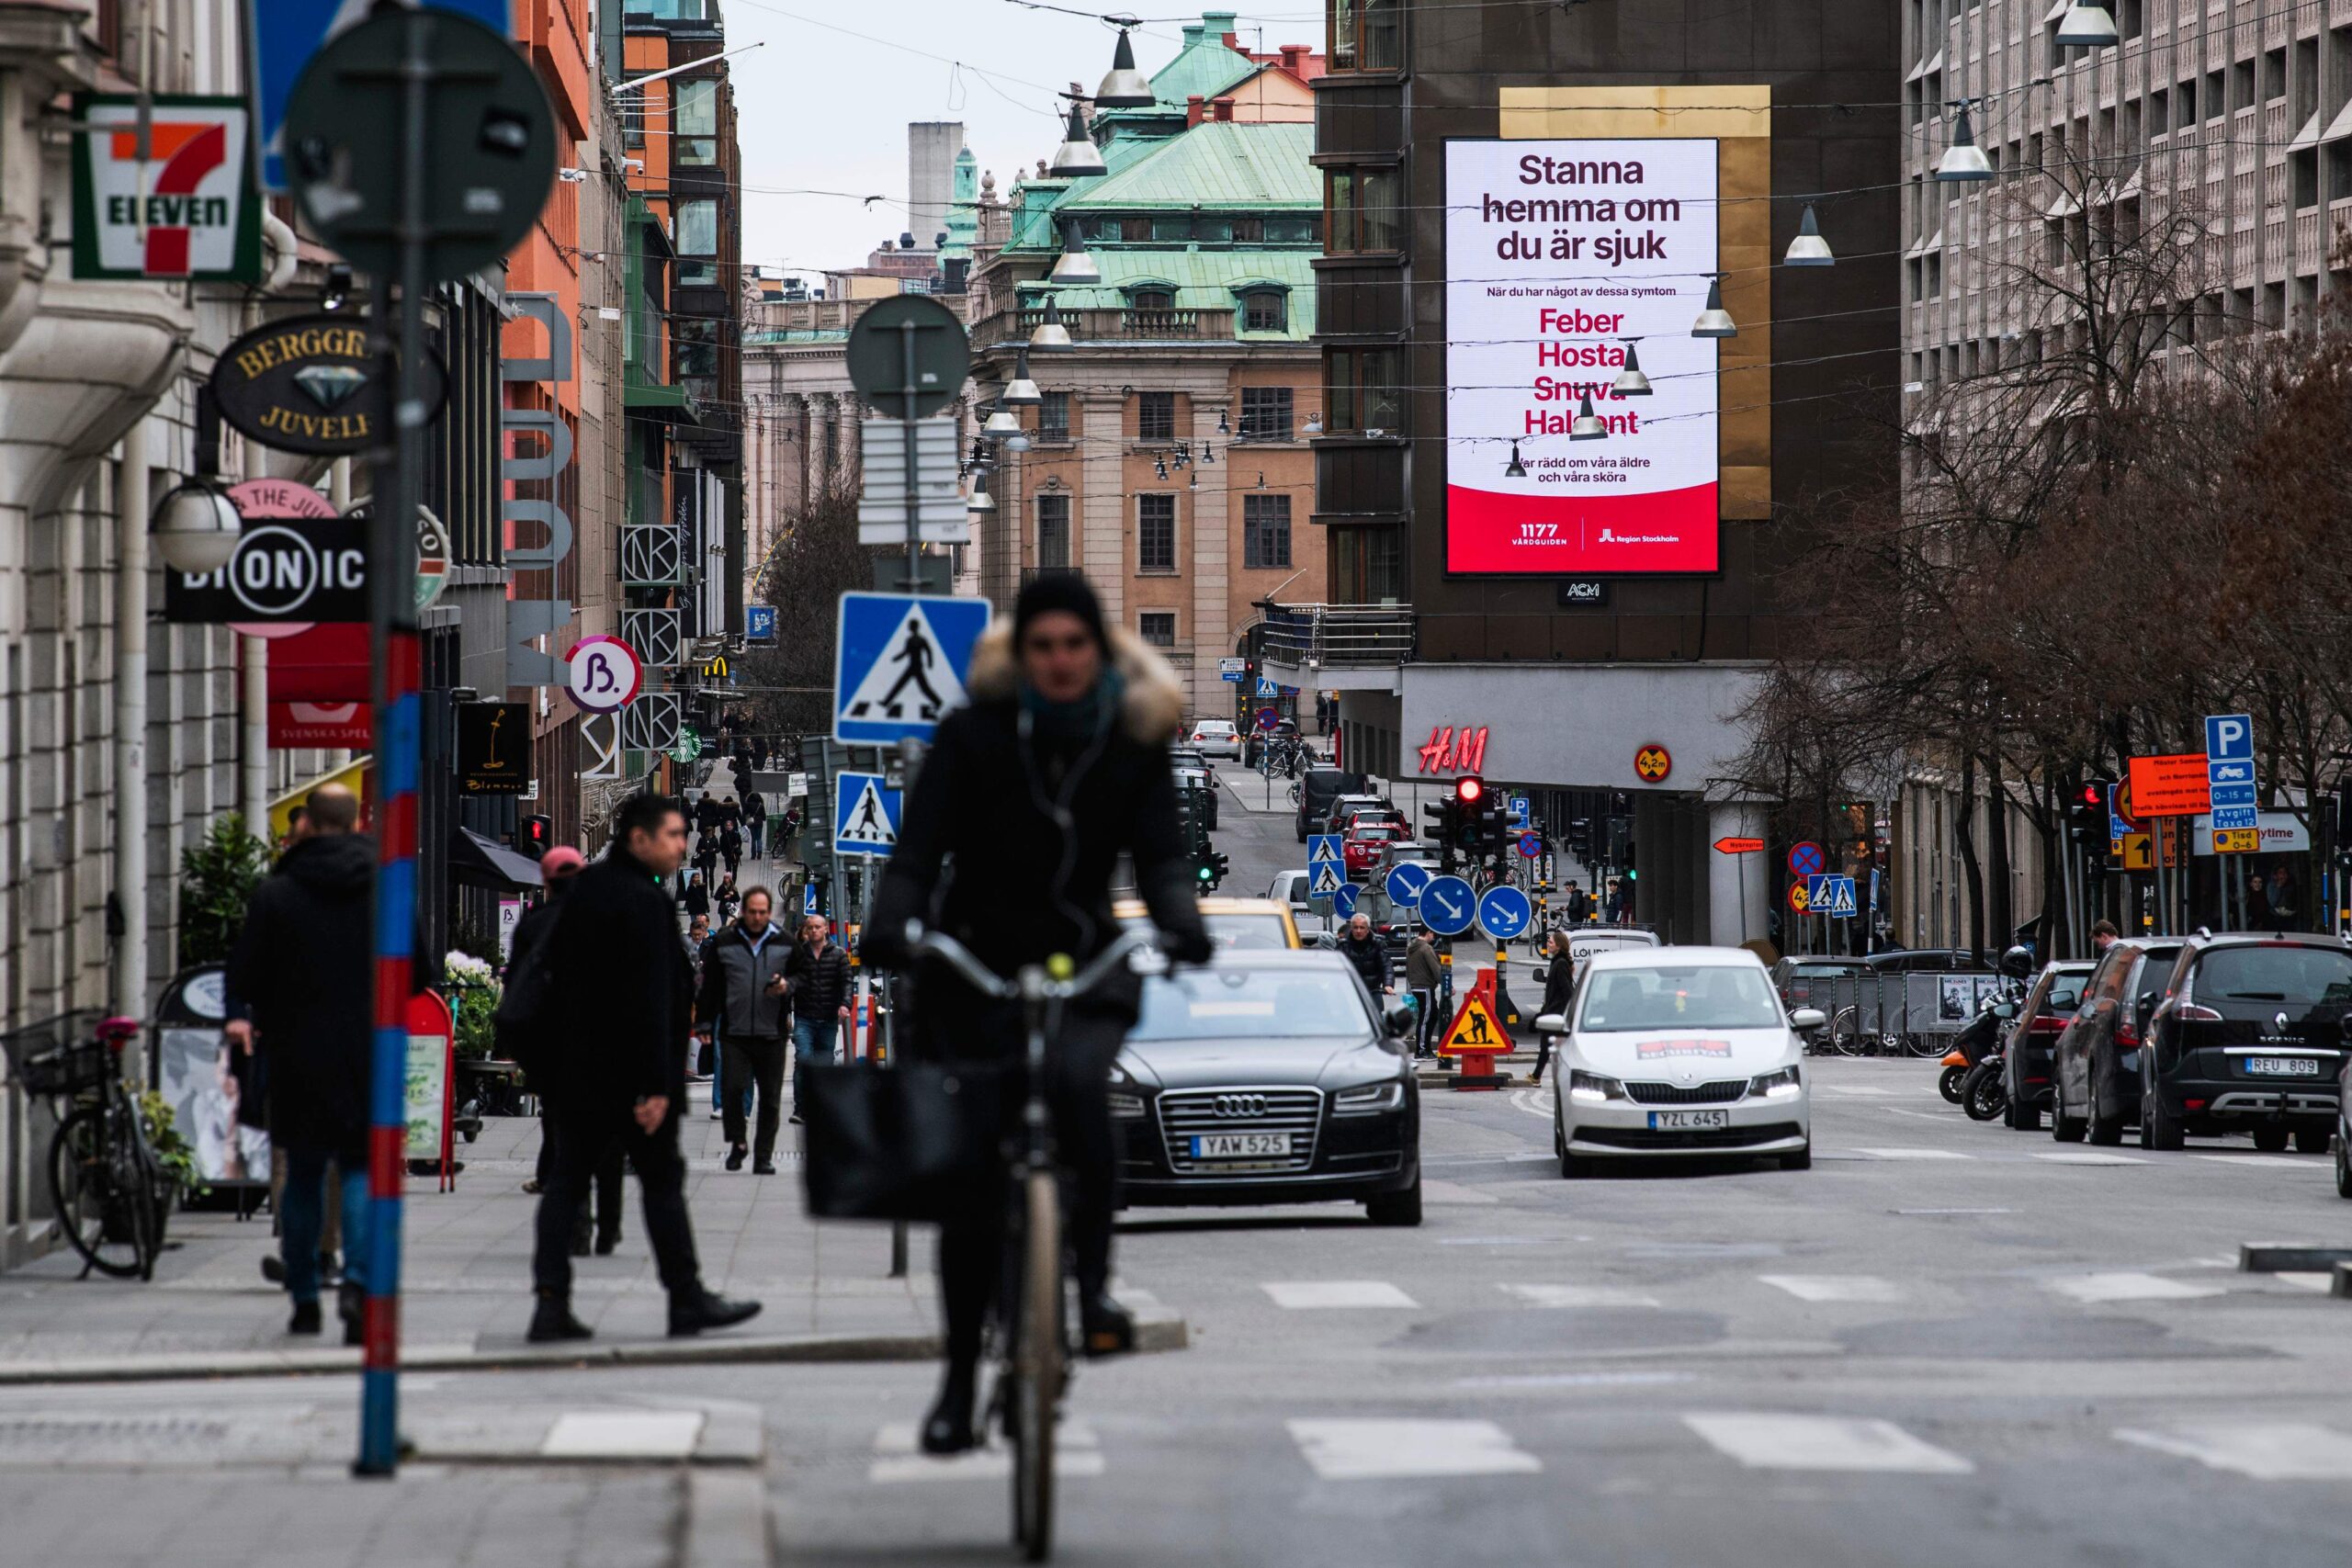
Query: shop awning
point(352, 774)
point(485, 862)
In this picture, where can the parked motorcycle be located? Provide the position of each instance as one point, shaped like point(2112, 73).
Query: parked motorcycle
point(1956, 1065)
point(1984, 1093)
point(1984, 1089)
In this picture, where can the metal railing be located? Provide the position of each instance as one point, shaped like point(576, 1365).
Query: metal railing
point(1915, 1012)
point(1111, 325)
point(1340, 633)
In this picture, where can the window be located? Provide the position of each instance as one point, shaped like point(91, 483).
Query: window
point(1155, 534)
point(1265, 414)
point(698, 236)
point(1364, 35)
point(1363, 210)
point(1265, 310)
point(1158, 628)
point(1265, 530)
point(1366, 389)
point(1053, 530)
point(1053, 417)
point(697, 122)
point(1156, 416)
point(1367, 565)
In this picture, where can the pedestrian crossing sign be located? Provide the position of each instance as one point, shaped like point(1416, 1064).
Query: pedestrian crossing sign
point(1473, 1030)
point(1324, 881)
point(866, 814)
point(899, 664)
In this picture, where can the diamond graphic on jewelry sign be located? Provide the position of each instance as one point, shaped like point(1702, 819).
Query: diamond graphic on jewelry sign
point(329, 384)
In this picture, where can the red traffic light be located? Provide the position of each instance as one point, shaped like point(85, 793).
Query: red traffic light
point(1468, 789)
point(2094, 793)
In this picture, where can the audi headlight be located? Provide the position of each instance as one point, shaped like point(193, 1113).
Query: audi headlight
point(1369, 1100)
point(1126, 1107)
point(1593, 1088)
point(1782, 1085)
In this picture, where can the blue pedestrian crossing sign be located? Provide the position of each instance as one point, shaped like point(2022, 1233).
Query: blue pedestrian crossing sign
point(1504, 912)
point(1343, 902)
point(1831, 896)
point(1448, 905)
point(1322, 847)
point(866, 814)
point(1406, 881)
point(899, 664)
point(1324, 880)
point(808, 899)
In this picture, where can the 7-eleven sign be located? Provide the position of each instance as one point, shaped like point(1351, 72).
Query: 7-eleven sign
point(176, 202)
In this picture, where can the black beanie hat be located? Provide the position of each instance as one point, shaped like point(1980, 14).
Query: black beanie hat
point(1059, 591)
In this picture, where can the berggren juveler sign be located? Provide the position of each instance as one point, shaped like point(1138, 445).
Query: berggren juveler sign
point(312, 384)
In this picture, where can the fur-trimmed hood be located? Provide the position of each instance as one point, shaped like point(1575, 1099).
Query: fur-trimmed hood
point(1150, 711)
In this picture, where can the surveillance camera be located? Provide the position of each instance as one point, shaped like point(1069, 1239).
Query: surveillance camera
point(632, 162)
point(572, 176)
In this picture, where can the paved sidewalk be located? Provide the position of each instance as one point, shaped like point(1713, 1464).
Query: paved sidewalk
point(466, 1291)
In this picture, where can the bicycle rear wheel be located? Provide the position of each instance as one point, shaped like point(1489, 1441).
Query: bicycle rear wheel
point(1038, 1355)
point(103, 1216)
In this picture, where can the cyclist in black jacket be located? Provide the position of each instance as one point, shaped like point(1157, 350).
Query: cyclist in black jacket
point(1012, 832)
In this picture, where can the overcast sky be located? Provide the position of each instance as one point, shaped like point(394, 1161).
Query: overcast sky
point(825, 104)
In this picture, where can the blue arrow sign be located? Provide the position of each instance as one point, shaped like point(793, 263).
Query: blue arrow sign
point(1447, 906)
point(866, 814)
point(1323, 847)
point(1405, 881)
point(900, 663)
point(1504, 912)
point(1343, 902)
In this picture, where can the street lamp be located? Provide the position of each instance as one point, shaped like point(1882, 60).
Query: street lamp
point(1715, 320)
point(1809, 249)
point(1077, 157)
point(1587, 425)
point(1020, 392)
point(1074, 268)
point(1964, 160)
point(2086, 27)
point(1514, 469)
point(1049, 336)
point(1125, 87)
point(1631, 382)
point(195, 527)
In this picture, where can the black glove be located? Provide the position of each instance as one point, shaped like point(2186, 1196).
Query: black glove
point(1192, 947)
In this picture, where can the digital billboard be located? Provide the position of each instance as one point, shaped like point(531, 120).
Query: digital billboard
point(1558, 254)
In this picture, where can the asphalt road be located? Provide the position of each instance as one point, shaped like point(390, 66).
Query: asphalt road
point(1946, 1344)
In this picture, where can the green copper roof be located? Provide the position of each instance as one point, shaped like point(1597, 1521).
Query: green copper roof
point(1204, 280)
point(1205, 64)
point(1219, 164)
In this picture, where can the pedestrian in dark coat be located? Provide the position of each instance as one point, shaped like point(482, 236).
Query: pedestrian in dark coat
point(301, 983)
point(755, 821)
point(817, 974)
point(742, 1001)
point(557, 868)
point(624, 1002)
point(1366, 953)
point(1559, 994)
point(1423, 975)
point(731, 849)
point(698, 896)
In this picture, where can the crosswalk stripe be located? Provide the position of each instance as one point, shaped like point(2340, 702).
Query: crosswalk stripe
point(2309, 1162)
point(1835, 1287)
point(1356, 1449)
point(1077, 1452)
point(1762, 1441)
point(2271, 1450)
point(2128, 1287)
point(1913, 1154)
point(1856, 1091)
point(1577, 1296)
point(1316, 1294)
point(2085, 1156)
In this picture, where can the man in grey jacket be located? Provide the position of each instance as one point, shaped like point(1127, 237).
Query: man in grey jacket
point(743, 996)
point(1423, 975)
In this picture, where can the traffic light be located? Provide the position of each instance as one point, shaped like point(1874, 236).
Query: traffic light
point(2086, 822)
point(535, 835)
point(1443, 815)
point(1580, 839)
point(1470, 815)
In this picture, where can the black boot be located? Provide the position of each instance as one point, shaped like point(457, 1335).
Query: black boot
point(735, 1158)
point(947, 1429)
point(552, 1320)
point(351, 1305)
point(305, 1319)
point(690, 1314)
point(1107, 1328)
point(605, 1242)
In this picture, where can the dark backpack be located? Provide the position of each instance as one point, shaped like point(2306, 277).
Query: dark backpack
point(525, 1017)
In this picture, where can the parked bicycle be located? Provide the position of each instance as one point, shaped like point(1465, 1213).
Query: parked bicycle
point(110, 1193)
point(1030, 1325)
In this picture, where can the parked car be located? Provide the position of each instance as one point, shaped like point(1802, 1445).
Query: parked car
point(1585, 942)
point(1201, 783)
point(2095, 1075)
point(1346, 807)
point(1679, 1051)
point(1366, 845)
point(1190, 757)
point(2245, 1034)
point(1269, 1077)
point(1911, 960)
point(1234, 924)
point(1788, 973)
point(2029, 1050)
point(1317, 789)
point(1217, 737)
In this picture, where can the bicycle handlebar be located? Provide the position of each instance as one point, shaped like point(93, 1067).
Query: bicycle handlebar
point(958, 957)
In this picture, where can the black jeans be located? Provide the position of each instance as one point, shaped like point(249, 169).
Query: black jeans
point(746, 1065)
point(607, 1175)
point(1543, 1053)
point(971, 1253)
point(585, 1142)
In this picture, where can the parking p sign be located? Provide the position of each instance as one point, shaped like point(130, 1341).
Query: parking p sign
point(2229, 771)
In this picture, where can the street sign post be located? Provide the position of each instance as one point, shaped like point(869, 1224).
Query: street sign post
point(1807, 859)
point(1405, 881)
point(1530, 845)
point(1232, 670)
point(866, 813)
point(1343, 902)
point(1269, 719)
point(909, 356)
point(422, 149)
point(605, 674)
point(2232, 792)
point(1730, 846)
point(759, 624)
point(899, 661)
point(1505, 912)
point(1326, 870)
point(1448, 905)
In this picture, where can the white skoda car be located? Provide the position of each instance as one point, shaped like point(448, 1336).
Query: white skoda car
point(1679, 1051)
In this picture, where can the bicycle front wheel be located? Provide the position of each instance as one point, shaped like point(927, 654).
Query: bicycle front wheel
point(100, 1213)
point(1038, 1367)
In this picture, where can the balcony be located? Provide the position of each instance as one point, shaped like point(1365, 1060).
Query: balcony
point(1124, 325)
point(1346, 646)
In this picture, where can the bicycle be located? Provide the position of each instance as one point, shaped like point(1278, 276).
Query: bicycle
point(1032, 1321)
point(110, 1193)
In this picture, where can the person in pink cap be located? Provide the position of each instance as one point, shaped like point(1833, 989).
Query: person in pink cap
point(557, 868)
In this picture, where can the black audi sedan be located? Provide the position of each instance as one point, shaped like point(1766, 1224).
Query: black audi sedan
point(2247, 1038)
point(1270, 1076)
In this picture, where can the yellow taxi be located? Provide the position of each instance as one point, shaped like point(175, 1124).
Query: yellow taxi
point(1235, 924)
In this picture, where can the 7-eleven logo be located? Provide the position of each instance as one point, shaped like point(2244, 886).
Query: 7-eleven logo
point(187, 153)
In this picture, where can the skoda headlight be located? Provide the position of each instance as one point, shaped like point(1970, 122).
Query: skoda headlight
point(1369, 1100)
point(1593, 1088)
point(1782, 1085)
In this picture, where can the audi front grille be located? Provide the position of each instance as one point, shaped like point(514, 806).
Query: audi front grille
point(1186, 1112)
